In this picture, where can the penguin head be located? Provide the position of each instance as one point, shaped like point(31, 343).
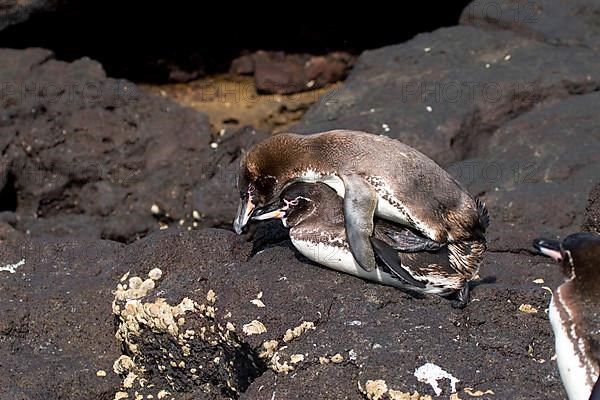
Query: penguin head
point(261, 177)
point(300, 201)
point(578, 254)
point(255, 193)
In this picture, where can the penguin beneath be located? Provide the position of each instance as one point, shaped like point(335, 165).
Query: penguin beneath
point(575, 312)
point(376, 176)
point(313, 212)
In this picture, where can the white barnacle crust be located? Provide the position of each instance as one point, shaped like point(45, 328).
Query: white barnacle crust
point(211, 297)
point(155, 274)
point(121, 395)
point(187, 325)
point(129, 380)
point(123, 364)
point(254, 328)
point(12, 268)
point(162, 394)
point(375, 389)
point(292, 334)
point(270, 346)
point(296, 358)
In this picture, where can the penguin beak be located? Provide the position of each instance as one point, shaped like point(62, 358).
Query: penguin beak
point(550, 248)
point(272, 211)
point(244, 212)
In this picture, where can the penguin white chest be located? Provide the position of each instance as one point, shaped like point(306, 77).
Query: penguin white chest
point(339, 258)
point(573, 372)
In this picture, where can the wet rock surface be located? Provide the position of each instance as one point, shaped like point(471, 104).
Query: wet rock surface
point(247, 317)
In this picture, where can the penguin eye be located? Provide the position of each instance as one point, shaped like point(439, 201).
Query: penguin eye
point(292, 202)
point(251, 189)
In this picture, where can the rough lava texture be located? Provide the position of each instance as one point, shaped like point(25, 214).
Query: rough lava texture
point(56, 329)
point(446, 92)
point(371, 327)
point(86, 154)
point(555, 22)
point(247, 317)
point(538, 172)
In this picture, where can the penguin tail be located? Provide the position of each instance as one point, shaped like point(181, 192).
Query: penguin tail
point(466, 256)
point(482, 212)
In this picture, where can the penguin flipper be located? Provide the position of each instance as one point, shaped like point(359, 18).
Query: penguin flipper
point(390, 258)
point(409, 242)
point(595, 395)
point(360, 201)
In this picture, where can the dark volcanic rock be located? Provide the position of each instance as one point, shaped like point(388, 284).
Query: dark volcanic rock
point(85, 154)
point(277, 72)
point(538, 172)
point(510, 114)
point(56, 329)
point(562, 23)
point(445, 92)
point(68, 283)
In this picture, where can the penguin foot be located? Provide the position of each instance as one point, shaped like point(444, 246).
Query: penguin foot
point(462, 297)
point(409, 242)
point(391, 259)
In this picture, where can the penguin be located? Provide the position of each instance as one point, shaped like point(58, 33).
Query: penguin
point(575, 312)
point(376, 176)
point(313, 212)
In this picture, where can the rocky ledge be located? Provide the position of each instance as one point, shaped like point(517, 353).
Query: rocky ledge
point(117, 280)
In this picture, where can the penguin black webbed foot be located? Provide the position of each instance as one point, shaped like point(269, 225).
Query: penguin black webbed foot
point(408, 241)
point(390, 258)
point(462, 297)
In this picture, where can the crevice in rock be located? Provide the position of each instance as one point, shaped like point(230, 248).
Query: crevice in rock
point(244, 365)
point(475, 133)
point(8, 195)
point(518, 251)
point(472, 139)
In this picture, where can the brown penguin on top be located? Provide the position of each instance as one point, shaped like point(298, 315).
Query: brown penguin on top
point(375, 175)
